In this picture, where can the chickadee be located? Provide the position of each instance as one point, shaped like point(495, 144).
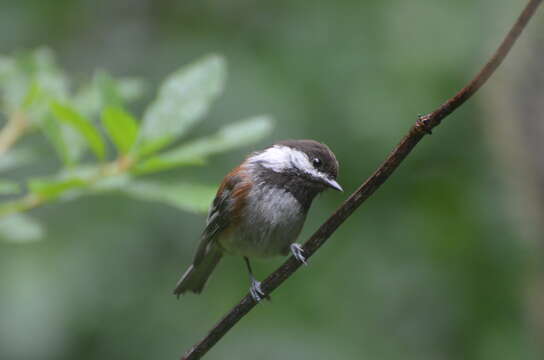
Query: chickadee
point(260, 208)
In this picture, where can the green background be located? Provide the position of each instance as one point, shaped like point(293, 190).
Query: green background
point(434, 266)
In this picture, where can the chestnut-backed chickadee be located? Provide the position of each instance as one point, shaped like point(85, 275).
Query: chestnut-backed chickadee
point(260, 208)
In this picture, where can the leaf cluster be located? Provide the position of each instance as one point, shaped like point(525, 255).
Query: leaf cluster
point(101, 145)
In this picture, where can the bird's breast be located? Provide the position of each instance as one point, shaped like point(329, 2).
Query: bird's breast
point(271, 220)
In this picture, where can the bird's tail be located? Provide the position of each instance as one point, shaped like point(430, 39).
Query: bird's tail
point(195, 277)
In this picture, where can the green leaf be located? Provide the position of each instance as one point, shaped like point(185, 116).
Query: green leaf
point(110, 183)
point(29, 81)
point(151, 147)
point(188, 197)
point(115, 92)
point(71, 117)
point(68, 142)
point(183, 99)
point(83, 172)
point(13, 84)
point(53, 132)
point(108, 89)
point(16, 157)
point(9, 187)
point(157, 163)
point(48, 77)
point(121, 127)
point(195, 152)
point(104, 90)
point(33, 96)
point(130, 89)
point(53, 188)
point(231, 136)
point(20, 228)
point(88, 98)
point(77, 181)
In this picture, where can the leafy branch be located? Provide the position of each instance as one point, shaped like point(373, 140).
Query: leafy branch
point(101, 145)
point(424, 125)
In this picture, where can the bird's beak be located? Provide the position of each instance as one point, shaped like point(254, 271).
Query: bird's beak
point(333, 184)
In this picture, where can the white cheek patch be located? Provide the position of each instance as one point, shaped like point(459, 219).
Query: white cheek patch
point(281, 158)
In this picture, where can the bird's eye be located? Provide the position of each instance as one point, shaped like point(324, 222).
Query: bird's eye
point(316, 162)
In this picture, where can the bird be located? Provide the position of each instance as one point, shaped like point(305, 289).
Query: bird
point(260, 209)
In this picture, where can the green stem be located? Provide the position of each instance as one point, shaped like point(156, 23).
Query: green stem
point(120, 166)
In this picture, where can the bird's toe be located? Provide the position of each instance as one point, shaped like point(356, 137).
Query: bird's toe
point(298, 253)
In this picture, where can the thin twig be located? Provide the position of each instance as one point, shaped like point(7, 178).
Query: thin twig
point(123, 164)
point(423, 125)
point(14, 128)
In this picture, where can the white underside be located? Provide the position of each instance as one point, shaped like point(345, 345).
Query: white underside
point(272, 221)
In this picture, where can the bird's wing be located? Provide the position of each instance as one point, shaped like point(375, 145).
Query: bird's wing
point(217, 221)
point(219, 215)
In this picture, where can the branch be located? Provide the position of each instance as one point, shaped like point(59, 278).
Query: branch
point(423, 125)
point(27, 202)
point(14, 128)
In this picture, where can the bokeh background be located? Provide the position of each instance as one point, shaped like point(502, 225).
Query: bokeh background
point(444, 262)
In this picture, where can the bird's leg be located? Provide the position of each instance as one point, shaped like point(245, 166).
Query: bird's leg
point(254, 285)
point(298, 253)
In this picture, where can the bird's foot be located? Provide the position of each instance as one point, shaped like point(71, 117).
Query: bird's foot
point(255, 290)
point(298, 253)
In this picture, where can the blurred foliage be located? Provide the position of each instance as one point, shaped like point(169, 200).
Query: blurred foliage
point(431, 267)
point(35, 92)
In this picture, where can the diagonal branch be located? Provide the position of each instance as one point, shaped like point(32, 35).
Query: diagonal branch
point(423, 126)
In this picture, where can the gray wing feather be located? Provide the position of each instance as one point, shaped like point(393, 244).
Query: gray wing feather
point(217, 222)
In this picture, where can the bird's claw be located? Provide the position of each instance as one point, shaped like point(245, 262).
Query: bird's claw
point(298, 253)
point(255, 290)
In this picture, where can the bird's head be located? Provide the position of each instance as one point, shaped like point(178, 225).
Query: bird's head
point(309, 162)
